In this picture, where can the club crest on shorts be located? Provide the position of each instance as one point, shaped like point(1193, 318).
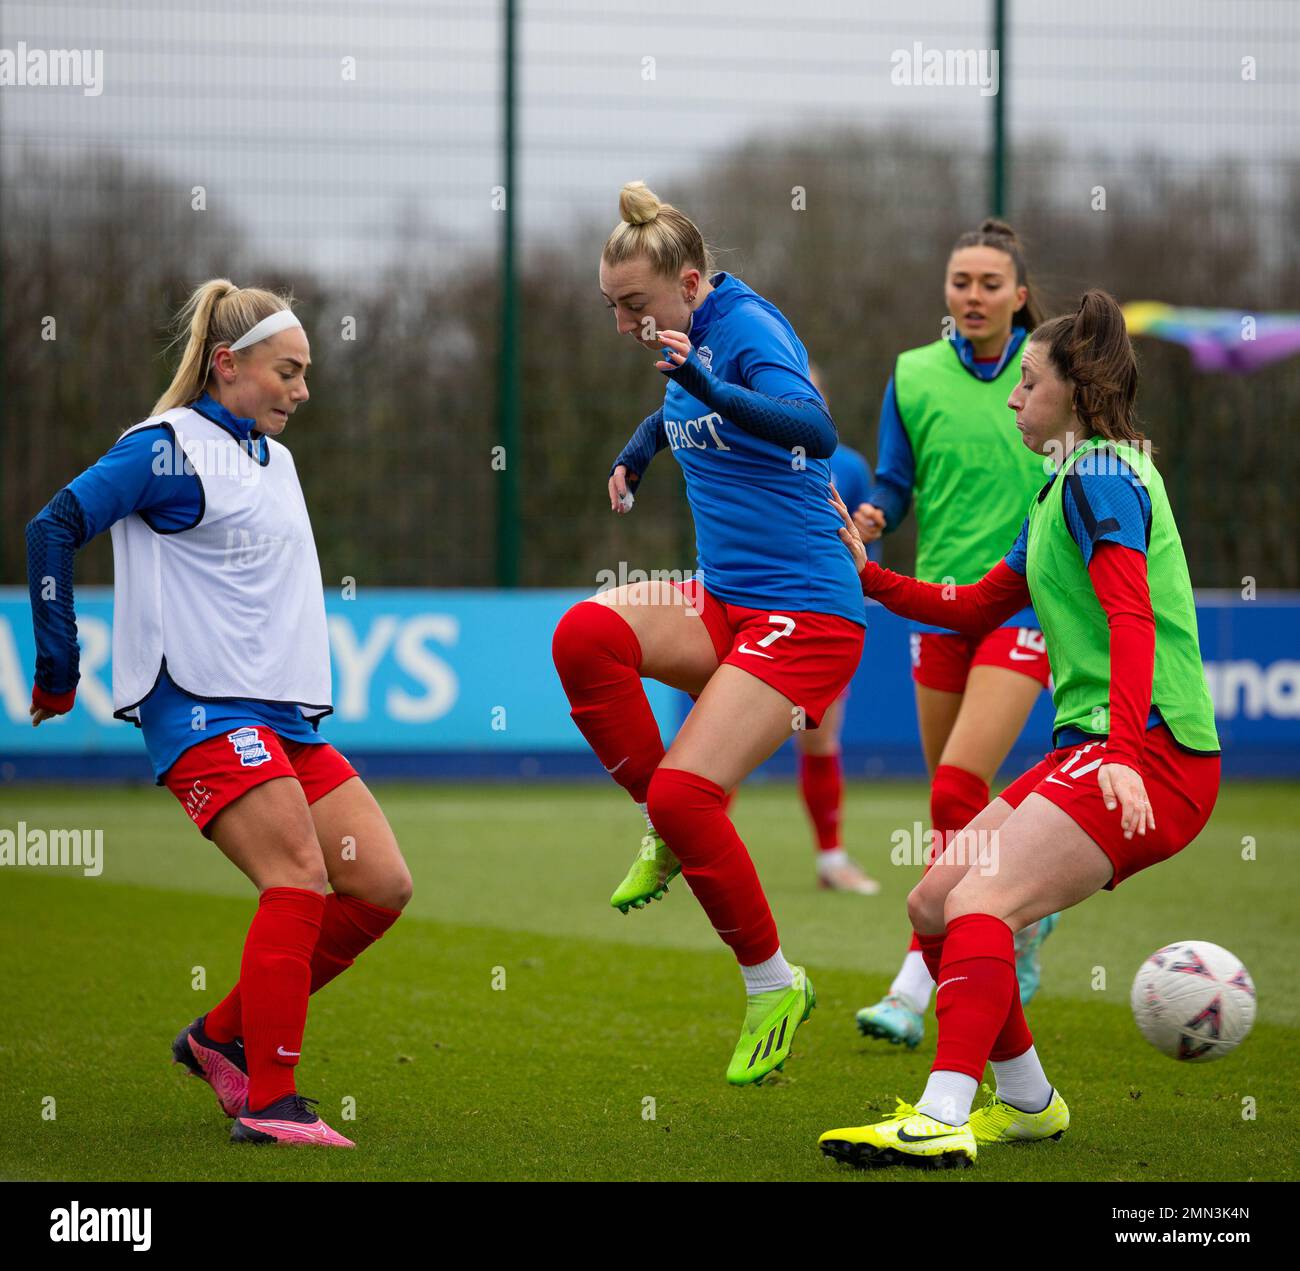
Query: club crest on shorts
point(249, 746)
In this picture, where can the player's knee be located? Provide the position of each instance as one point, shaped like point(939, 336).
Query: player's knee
point(395, 891)
point(588, 635)
point(962, 900)
point(296, 860)
point(923, 910)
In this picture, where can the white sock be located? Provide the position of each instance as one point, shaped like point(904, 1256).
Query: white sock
point(762, 977)
point(948, 1096)
point(833, 859)
point(1022, 1082)
point(913, 981)
point(645, 812)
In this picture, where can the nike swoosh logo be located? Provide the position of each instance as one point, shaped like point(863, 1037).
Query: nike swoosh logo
point(904, 1137)
point(1022, 657)
point(288, 1054)
point(618, 765)
point(1055, 782)
point(744, 648)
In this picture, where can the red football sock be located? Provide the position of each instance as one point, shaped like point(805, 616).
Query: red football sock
point(956, 798)
point(1015, 1037)
point(348, 926)
point(821, 778)
point(687, 810)
point(976, 982)
point(931, 948)
point(275, 978)
point(598, 658)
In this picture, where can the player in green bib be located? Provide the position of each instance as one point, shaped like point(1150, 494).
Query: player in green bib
point(946, 446)
point(1134, 774)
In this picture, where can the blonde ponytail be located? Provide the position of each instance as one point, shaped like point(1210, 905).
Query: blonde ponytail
point(216, 313)
point(655, 231)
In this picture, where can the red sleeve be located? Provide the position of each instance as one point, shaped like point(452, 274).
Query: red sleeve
point(974, 610)
point(1119, 576)
point(59, 703)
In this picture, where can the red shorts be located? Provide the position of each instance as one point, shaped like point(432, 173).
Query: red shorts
point(1181, 786)
point(808, 658)
point(213, 774)
point(942, 660)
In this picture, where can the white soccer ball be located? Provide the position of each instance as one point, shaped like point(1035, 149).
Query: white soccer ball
point(1193, 1001)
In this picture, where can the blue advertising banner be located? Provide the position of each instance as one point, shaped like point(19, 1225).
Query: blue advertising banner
point(460, 683)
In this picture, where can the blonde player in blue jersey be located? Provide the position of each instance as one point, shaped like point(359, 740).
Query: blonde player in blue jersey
point(767, 635)
point(221, 658)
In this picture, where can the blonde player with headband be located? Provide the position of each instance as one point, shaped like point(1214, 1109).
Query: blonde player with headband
point(220, 657)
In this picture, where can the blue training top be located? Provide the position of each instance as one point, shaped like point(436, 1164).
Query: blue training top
point(852, 476)
point(128, 479)
point(753, 438)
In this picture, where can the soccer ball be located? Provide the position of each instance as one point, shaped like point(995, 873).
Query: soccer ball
point(1193, 1001)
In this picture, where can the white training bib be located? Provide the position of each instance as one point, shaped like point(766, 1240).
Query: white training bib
point(233, 606)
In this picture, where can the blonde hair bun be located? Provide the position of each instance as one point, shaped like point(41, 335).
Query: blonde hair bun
point(638, 204)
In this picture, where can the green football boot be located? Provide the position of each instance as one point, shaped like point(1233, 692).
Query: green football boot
point(906, 1137)
point(771, 1020)
point(999, 1122)
point(654, 868)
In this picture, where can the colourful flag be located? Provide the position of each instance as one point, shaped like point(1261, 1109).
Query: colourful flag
point(1219, 339)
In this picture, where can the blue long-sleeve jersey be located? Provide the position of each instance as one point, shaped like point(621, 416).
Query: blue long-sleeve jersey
point(137, 475)
point(753, 439)
point(852, 476)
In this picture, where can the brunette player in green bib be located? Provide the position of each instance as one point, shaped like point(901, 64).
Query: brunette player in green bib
point(945, 444)
point(1135, 772)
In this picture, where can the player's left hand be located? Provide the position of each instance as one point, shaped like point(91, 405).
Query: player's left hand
point(849, 535)
point(1122, 787)
point(677, 348)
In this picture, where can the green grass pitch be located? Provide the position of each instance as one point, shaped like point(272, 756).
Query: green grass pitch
point(603, 1055)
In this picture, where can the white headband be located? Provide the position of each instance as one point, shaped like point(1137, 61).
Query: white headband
point(280, 320)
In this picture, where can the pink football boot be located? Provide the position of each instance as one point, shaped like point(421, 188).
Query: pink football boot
point(220, 1064)
point(288, 1122)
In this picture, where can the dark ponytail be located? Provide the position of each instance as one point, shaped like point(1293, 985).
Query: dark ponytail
point(1090, 348)
point(1001, 237)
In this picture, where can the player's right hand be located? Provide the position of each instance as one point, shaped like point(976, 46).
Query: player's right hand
point(621, 482)
point(849, 535)
point(870, 521)
point(49, 705)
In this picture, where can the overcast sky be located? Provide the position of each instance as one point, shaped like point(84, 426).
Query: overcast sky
point(249, 97)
